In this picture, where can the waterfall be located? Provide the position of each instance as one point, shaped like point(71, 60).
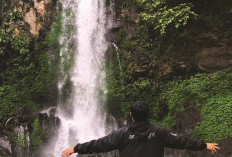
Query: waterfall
point(118, 58)
point(82, 117)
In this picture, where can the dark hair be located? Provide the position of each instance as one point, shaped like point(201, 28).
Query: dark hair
point(139, 111)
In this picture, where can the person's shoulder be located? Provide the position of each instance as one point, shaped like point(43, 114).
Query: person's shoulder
point(120, 130)
point(123, 129)
point(157, 128)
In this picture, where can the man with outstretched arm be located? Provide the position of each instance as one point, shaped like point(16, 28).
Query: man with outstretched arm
point(140, 139)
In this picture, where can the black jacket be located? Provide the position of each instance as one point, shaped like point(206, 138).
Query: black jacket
point(139, 139)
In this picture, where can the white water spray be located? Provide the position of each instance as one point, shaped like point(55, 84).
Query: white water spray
point(87, 121)
point(118, 58)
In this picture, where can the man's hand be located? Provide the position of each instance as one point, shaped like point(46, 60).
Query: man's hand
point(212, 147)
point(67, 152)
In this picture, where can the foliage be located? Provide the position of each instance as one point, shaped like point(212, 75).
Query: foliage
point(163, 30)
point(212, 93)
point(217, 119)
point(69, 29)
point(162, 15)
point(159, 24)
point(129, 78)
point(17, 139)
point(37, 133)
point(26, 77)
point(107, 3)
point(114, 97)
point(25, 84)
point(52, 40)
point(122, 94)
point(124, 84)
point(53, 36)
point(14, 42)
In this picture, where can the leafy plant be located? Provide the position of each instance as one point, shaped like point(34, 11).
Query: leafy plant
point(17, 139)
point(53, 36)
point(37, 133)
point(162, 15)
point(211, 93)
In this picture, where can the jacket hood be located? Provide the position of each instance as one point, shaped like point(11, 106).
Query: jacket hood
point(141, 129)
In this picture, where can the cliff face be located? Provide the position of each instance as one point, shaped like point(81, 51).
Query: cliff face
point(204, 45)
point(36, 15)
point(27, 82)
point(182, 72)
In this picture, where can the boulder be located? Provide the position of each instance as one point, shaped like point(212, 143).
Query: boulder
point(5, 147)
point(214, 59)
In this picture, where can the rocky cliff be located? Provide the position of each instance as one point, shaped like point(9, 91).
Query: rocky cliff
point(182, 70)
point(27, 82)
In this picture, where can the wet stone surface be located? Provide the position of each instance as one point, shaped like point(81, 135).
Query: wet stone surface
point(5, 147)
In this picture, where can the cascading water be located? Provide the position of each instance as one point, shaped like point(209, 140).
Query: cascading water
point(118, 58)
point(86, 121)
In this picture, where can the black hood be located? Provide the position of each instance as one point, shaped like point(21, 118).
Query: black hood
point(141, 129)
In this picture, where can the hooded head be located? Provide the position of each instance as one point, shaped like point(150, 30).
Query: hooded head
point(139, 111)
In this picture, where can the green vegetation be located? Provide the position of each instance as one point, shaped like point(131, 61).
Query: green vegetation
point(53, 36)
point(69, 13)
point(19, 140)
point(28, 67)
point(164, 14)
point(165, 30)
point(26, 77)
point(37, 133)
point(161, 15)
point(210, 93)
point(27, 74)
point(124, 84)
point(161, 39)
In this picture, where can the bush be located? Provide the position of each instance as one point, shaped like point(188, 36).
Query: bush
point(26, 77)
point(210, 93)
point(37, 133)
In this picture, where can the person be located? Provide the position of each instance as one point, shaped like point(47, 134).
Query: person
point(140, 139)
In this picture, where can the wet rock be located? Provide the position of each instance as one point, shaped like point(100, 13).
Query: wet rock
point(124, 13)
point(225, 148)
point(16, 32)
point(52, 112)
point(5, 147)
point(49, 122)
point(8, 123)
point(37, 14)
point(40, 7)
point(187, 121)
point(22, 114)
point(21, 126)
point(129, 20)
point(215, 58)
point(164, 70)
point(116, 24)
point(30, 18)
point(18, 151)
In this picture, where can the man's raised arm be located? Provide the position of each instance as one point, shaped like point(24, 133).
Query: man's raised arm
point(181, 142)
point(104, 144)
